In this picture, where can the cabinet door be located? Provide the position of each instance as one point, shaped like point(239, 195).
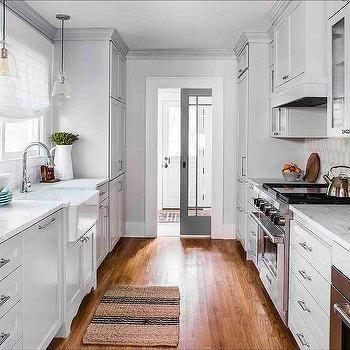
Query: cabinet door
point(88, 258)
point(282, 51)
point(121, 140)
point(113, 213)
point(243, 61)
point(114, 71)
point(242, 125)
point(122, 79)
point(338, 43)
point(117, 139)
point(121, 206)
point(42, 282)
point(74, 275)
point(102, 233)
point(297, 52)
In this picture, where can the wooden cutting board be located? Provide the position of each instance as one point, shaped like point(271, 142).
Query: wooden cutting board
point(312, 168)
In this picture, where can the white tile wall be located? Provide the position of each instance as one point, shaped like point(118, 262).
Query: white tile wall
point(332, 151)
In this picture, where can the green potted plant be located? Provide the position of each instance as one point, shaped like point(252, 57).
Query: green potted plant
point(62, 153)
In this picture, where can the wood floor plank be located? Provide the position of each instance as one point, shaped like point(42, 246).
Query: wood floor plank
point(223, 302)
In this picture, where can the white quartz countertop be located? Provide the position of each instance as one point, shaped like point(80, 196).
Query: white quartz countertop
point(75, 184)
point(261, 181)
point(333, 221)
point(21, 214)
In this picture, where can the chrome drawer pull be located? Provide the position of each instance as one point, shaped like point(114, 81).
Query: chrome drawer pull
point(102, 193)
point(302, 340)
point(3, 262)
point(3, 299)
point(303, 305)
point(304, 275)
point(253, 233)
point(269, 279)
point(305, 246)
point(120, 165)
point(252, 253)
point(43, 227)
point(3, 337)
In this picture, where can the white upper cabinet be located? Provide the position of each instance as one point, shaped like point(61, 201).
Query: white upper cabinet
point(117, 74)
point(297, 40)
point(243, 61)
point(290, 44)
point(333, 6)
point(300, 55)
point(282, 51)
point(338, 68)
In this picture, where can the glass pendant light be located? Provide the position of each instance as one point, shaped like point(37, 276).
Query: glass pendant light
point(8, 66)
point(61, 87)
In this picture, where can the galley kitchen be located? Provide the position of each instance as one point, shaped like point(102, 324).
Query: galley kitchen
point(175, 174)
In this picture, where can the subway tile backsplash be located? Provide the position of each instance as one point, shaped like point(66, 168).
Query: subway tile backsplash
point(332, 151)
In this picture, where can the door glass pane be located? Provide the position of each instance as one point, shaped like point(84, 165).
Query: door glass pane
point(338, 74)
point(174, 147)
point(199, 159)
point(204, 100)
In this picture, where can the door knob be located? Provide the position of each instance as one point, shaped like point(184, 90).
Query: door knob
point(166, 165)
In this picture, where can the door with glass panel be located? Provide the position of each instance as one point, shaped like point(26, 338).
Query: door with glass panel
point(196, 153)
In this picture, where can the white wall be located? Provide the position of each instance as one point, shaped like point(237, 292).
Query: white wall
point(138, 70)
point(24, 33)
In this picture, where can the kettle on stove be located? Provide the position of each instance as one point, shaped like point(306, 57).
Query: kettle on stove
point(338, 186)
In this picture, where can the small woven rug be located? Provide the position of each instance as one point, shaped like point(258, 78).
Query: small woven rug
point(169, 216)
point(136, 316)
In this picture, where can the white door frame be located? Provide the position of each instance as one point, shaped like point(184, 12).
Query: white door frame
point(151, 160)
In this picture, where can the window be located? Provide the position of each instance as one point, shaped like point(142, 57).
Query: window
point(24, 102)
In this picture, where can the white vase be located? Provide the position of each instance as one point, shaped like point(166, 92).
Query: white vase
point(63, 162)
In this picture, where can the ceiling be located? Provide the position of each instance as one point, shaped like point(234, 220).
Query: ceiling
point(144, 25)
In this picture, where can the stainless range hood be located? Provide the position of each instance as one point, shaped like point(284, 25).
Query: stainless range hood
point(303, 95)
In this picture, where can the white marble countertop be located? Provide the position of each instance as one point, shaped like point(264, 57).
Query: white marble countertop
point(261, 181)
point(332, 221)
point(21, 214)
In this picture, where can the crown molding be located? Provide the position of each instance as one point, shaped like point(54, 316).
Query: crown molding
point(276, 9)
point(24, 11)
point(180, 54)
point(250, 37)
point(94, 34)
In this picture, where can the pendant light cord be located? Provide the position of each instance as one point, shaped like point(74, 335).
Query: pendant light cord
point(3, 23)
point(62, 45)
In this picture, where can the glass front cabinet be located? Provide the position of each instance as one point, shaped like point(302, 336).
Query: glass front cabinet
point(338, 68)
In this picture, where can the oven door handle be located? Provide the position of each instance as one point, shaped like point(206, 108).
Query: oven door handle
point(272, 238)
point(339, 310)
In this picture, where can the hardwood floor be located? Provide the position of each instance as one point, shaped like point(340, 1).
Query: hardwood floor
point(223, 303)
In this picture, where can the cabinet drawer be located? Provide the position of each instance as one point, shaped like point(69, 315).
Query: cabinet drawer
point(11, 327)
point(11, 255)
point(300, 331)
point(310, 311)
point(11, 290)
point(242, 193)
point(103, 192)
point(316, 285)
point(312, 249)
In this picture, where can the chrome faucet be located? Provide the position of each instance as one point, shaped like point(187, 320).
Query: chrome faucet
point(26, 184)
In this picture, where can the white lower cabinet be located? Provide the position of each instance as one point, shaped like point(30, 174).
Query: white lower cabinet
point(252, 241)
point(116, 210)
point(80, 275)
point(309, 287)
point(42, 282)
point(102, 232)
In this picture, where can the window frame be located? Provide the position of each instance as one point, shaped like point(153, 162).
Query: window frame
point(35, 152)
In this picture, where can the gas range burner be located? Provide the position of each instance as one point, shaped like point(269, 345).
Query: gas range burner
point(304, 193)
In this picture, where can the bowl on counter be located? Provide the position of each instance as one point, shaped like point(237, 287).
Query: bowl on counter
point(4, 181)
point(292, 177)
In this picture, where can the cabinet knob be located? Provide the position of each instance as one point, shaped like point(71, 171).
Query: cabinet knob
point(3, 262)
point(4, 299)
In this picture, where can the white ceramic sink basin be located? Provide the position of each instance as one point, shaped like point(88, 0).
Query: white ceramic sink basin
point(81, 207)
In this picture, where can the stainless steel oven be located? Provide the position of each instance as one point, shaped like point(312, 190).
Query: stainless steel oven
point(340, 311)
point(272, 219)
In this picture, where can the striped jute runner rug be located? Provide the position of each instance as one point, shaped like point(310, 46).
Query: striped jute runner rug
point(136, 316)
